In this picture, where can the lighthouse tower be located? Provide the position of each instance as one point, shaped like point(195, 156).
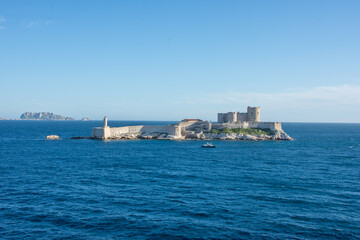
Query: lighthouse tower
point(105, 122)
point(106, 129)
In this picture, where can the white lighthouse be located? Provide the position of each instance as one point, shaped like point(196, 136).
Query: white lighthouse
point(105, 122)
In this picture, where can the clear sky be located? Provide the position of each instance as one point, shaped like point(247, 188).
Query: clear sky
point(169, 60)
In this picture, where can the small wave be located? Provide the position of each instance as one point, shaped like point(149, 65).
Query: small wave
point(196, 214)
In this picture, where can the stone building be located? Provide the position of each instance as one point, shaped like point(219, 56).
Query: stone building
point(252, 115)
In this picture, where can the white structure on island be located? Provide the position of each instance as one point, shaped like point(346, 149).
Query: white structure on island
point(106, 132)
point(103, 132)
point(250, 119)
point(252, 115)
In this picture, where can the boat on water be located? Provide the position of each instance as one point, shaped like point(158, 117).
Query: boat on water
point(208, 145)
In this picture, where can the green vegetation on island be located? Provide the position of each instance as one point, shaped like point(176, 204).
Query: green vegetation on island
point(247, 131)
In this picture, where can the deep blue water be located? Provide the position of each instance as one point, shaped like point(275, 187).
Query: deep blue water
point(308, 188)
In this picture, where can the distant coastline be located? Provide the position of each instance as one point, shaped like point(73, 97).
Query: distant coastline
point(45, 116)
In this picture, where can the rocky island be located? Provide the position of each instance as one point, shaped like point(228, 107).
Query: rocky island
point(43, 116)
point(230, 126)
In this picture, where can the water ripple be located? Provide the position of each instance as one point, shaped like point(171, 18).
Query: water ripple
point(303, 189)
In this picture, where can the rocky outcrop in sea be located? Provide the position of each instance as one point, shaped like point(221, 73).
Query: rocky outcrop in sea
point(43, 116)
point(277, 135)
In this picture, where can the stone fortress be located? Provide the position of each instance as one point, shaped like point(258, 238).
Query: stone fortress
point(252, 115)
point(250, 119)
point(194, 128)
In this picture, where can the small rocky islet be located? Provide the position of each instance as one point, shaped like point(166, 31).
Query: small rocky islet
point(230, 126)
point(277, 135)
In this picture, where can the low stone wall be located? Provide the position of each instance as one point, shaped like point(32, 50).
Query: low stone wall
point(118, 131)
point(104, 133)
point(270, 125)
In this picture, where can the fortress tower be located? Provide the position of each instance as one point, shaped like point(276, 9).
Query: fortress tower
point(253, 114)
point(232, 117)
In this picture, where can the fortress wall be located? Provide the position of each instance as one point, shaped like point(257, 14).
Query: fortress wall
point(242, 117)
point(174, 130)
point(118, 131)
point(184, 125)
point(270, 125)
point(222, 117)
point(97, 132)
point(153, 129)
point(187, 124)
point(101, 132)
point(169, 129)
point(217, 126)
point(230, 125)
point(136, 129)
point(220, 126)
point(192, 126)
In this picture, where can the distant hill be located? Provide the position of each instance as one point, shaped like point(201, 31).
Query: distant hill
point(2, 118)
point(85, 119)
point(43, 116)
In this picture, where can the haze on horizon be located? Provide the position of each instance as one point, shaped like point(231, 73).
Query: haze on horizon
point(170, 60)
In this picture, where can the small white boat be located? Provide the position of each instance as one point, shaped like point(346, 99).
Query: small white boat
point(208, 145)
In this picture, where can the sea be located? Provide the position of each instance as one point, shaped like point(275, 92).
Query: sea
point(308, 188)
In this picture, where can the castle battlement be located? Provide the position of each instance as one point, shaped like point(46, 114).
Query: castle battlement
point(252, 115)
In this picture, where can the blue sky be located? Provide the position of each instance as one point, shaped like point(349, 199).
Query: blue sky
point(169, 60)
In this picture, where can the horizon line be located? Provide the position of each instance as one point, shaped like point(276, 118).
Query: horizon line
point(117, 120)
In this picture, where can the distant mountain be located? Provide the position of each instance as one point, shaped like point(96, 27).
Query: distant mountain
point(43, 116)
point(85, 119)
point(2, 118)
